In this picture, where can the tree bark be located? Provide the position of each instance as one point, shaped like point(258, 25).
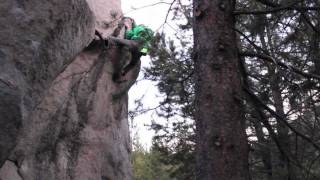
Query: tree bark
point(222, 148)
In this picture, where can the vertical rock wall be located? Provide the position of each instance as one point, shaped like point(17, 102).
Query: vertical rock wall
point(58, 119)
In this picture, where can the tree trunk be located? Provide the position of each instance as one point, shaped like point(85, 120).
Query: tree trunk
point(315, 53)
point(265, 151)
point(284, 169)
point(63, 121)
point(222, 148)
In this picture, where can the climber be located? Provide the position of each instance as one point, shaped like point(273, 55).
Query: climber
point(137, 40)
point(140, 33)
point(143, 35)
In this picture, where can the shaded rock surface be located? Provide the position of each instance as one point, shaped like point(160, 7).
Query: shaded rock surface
point(58, 119)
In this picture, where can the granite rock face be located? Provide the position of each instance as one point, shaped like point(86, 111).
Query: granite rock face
point(58, 119)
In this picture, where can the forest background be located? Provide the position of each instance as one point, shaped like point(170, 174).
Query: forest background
point(279, 54)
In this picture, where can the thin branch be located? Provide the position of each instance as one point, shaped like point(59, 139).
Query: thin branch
point(282, 64)
point(308, 21)
point(133, 45)
point(310, 166)
point(280, 118)
point(273, 135)
point(149, 5)
point(290, 7)
point(167, 15)
point(274, 10)
point(268, 3)
point(135, 9)
point(251, 42)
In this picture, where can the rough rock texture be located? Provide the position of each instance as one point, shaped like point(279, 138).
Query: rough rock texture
point(107, 14)
point(58, 118)
point(37, 41)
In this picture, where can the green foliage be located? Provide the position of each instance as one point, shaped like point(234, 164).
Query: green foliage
point(147, 165)
point(172, 68)
point(162, 164)
point(179, 156)
point(290, 36)
point(285, 36)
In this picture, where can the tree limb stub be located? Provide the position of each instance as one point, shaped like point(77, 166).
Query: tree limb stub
point(133, 45)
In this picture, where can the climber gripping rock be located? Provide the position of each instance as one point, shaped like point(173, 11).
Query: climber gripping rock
point(143, 36)
point(137, 41)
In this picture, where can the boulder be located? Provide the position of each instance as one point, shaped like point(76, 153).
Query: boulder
point(58, 118)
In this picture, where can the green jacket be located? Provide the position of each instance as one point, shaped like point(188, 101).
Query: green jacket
point(142, 33)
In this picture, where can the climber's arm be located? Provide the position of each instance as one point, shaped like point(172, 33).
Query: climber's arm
point(133, 45)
